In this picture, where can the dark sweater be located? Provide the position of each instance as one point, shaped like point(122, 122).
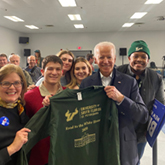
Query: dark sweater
point(10, 123)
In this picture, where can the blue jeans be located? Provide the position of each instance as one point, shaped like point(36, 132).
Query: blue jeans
point(141, 147)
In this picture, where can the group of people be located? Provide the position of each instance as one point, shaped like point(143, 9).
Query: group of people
point(133, 88)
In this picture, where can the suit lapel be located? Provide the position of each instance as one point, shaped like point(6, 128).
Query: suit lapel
point(96, 78)
point(118, 80)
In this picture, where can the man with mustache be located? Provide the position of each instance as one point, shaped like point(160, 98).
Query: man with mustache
point(150, 84)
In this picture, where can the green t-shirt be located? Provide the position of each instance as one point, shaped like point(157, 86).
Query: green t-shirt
point(83, 126)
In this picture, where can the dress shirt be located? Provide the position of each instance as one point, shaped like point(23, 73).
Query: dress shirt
point(106, 80)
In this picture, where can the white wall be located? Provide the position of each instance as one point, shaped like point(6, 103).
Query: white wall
point(51, 43)
point(9, 42)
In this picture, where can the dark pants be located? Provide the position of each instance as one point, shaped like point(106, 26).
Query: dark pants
point(141, 147)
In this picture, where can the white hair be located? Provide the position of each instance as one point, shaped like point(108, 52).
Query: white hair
point(30, 56)
point(105, 43)
point(12, 56)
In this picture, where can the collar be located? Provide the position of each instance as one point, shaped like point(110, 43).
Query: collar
point(12, 105)
point(142, 76)
point(110, 76)
point(44, 92)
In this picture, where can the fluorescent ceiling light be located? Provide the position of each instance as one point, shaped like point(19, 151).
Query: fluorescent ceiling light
point(31, 27)
point(127, 24)
point(138, 15)
point(153, 1)
point(14, 18)
point(67, 3)
point(74, 17)
point(79, 26)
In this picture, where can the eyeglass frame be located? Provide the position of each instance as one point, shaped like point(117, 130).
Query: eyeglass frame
point(21, 83)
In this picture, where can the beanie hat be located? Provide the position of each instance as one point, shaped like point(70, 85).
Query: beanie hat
point(37, 51)
point(139, 46)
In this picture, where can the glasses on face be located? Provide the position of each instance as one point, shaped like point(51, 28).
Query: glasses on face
point(65, 59)
point(6, 84)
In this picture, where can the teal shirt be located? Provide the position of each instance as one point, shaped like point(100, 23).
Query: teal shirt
point(83, 126)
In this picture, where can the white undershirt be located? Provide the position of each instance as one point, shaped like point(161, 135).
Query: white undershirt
point(106, 80)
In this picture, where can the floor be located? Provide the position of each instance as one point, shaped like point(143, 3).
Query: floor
point(147, 157)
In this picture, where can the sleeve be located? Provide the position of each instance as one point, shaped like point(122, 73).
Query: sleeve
point(4, 156)
point(28, 105)
point(133, 106)
point(160, 92)
point(39, 125)
point(28, 79)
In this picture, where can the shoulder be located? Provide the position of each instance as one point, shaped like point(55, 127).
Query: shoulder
point(38, 68)
point(90, 78)
point(123, 75)
point(26, 69)
point(122, 68)
point(153, 75)
point(95, 75)
point(26, 73)
point(32, 93)
point(127, 80)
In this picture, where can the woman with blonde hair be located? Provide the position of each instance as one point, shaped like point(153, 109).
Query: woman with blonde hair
point(12, 114)
point(80, 70)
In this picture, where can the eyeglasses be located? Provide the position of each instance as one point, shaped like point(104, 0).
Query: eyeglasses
point(6, 84)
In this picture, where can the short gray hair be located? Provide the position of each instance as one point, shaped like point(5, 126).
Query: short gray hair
point(13, 55)
point(105, 43)
point(31, 56)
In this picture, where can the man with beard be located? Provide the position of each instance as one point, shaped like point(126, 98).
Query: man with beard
point(150, 84)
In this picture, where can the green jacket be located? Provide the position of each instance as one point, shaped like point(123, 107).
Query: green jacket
point(83, 126)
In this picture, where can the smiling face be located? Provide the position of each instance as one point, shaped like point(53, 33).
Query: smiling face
point(81, 71)
point(31, 61)
point(3, 61)
point(11, 94)
point(67, 62)
point(105, 58)
point(138, 62)
point(52, 73)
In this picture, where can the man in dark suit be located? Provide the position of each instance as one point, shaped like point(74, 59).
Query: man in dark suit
point(124, 91)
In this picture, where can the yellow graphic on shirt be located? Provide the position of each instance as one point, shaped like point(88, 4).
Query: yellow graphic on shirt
point(70, 116)
point(86, 139)
point(90, 110)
